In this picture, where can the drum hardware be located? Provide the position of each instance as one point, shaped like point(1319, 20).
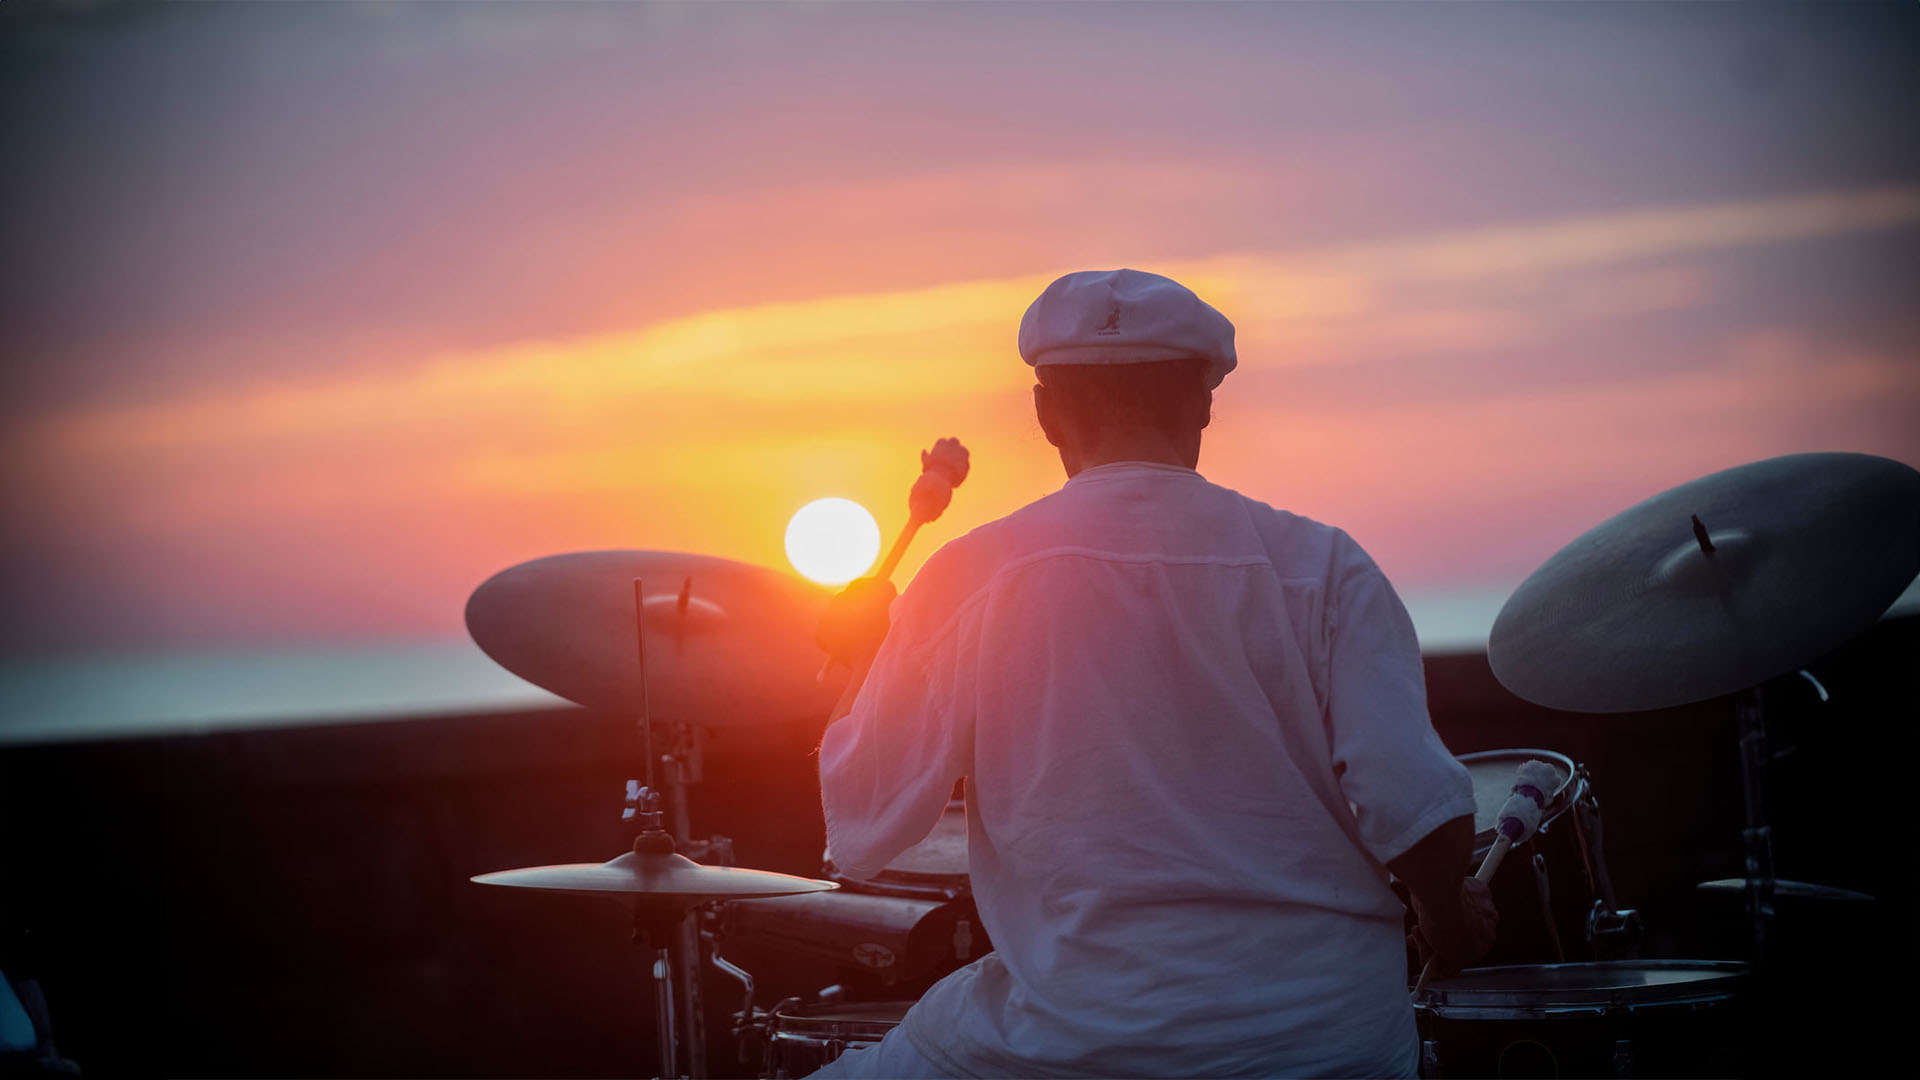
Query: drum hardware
point(1757, 837)
point(802, 1038)
point(739, 1022)
point(1664, 604)
point(1664, 1017)
point(663, 887)
point(1587, 826)
point(1545, 891)
point(1612, 932)
point(756, 1041)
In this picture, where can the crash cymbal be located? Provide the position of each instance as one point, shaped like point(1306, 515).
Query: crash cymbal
point(656, 880)
point(1714, 586)
point(728, 644)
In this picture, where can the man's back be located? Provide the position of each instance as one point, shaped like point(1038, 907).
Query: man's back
point(1194, 729)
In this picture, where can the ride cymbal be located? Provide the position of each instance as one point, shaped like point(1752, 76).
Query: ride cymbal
point(728, 643)
point(1714, 586)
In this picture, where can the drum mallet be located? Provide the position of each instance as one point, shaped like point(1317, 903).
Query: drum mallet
point(942, 469)
point(1519, 817)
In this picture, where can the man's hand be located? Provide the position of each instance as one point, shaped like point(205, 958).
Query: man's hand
point(856, 621)
point(1456, 914)
point(1455, 934)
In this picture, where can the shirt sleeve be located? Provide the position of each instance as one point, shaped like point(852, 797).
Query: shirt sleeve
point(1400, 778)
point(888, 767)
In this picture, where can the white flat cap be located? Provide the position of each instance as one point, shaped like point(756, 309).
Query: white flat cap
point(1124, 317)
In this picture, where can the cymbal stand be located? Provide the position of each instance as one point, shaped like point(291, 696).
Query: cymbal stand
point(1613, 932)
point(1757, 837)
point(692, 1011)
point(666, 931)
point(658, 929)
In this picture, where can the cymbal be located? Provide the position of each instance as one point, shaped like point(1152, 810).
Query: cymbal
point(1792, 890)
point(728, 643)
point(655, 880)
point(1806, 552)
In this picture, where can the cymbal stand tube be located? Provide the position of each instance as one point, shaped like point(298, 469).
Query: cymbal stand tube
point(679, 822)
point(687, 1005)
point(663, 1010)
point(1544, 890)
point(686, 937)
point(1757, 837)
point(645, 719)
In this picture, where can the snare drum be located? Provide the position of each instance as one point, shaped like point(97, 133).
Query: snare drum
point(802, 1038)
point(1547, 887)
point(933, 869)
point(1622, 1018)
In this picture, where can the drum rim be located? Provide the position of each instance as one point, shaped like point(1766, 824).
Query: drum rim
point(905, 887)
point(1722, 979)
point(807, 1022)
point(912, 884)
point(1558, 800)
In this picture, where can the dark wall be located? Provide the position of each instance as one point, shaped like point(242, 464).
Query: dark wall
point(295, 902)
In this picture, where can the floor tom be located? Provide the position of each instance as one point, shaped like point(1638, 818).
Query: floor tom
point(1619, 1018)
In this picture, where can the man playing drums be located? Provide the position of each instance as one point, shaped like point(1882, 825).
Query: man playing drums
point(1195, 739)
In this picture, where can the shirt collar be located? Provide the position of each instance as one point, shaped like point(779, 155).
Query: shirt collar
point(1117, 470)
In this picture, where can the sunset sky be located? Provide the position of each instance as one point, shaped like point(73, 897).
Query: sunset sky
point(317, 315)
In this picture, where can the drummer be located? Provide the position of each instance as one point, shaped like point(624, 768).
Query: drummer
point(1195, 738)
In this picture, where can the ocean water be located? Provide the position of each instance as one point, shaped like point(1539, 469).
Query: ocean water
point(122, 695)
point(169, 693)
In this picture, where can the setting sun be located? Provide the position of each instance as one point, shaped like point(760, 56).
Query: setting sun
point(832, 541)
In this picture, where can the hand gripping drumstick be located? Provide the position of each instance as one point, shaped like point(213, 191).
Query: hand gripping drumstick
point(1519, 817)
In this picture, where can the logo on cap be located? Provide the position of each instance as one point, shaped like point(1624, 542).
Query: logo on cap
point(1112, 325)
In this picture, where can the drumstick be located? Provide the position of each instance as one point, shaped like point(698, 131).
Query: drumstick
point(942, 469)
point(1519, 817)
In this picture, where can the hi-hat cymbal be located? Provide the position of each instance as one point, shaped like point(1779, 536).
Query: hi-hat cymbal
point(656, 880)
point(1790, 557)
point(728, 644)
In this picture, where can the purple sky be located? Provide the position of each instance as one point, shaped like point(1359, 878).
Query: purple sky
point(206, 205)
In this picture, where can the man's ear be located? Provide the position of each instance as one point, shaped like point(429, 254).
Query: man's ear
point(1205, 405)
point(1044, 411)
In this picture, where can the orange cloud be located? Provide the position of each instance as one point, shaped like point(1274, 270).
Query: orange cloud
point(704, 432)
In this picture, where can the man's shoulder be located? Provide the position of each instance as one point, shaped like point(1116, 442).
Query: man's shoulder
point(1294, 539)
point(1295, 543)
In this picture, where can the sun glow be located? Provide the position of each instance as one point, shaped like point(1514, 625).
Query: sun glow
point(832, 541)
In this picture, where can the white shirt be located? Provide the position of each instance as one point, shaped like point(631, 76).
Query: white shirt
point(1194, 729)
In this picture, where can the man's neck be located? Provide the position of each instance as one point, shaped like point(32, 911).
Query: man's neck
point(1152, 447)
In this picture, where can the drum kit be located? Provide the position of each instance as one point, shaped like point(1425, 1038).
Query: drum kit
point(1713, 588)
